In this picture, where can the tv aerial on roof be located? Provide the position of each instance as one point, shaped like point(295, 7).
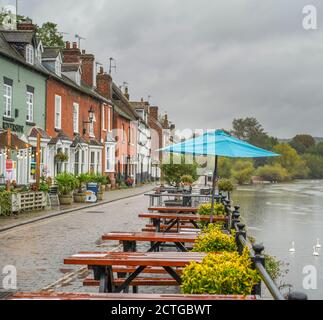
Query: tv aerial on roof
point(112, 65)
point(79, 38)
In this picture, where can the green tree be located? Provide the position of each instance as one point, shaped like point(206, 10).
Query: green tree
point(315, 165)
point(242, 171)
point(317, 149)
point(250, 130)
point(302, 142)
point(174, 172)
point(49, 35)
point(224, 167)
point(291, 161)
point(275, 173)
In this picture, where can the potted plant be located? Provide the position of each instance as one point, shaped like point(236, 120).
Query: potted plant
point(66, 183)
point(129, 182)
point(79, 194)
point(187, 180)
point(109, 184)
point(61, 157)
point(225, 185)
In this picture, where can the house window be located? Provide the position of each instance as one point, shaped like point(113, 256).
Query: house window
point(103, 118)
point(109, 167)
point(30, 54)
point(76, 117)
point(109, 119)
point(58, 69)
point(123, 134)
point(92, 163)
point(91, 127)
point(83, 169)
point(58, 112)
point(30, 106)
point(7, 95)
point(98, 163)
point(76, 162)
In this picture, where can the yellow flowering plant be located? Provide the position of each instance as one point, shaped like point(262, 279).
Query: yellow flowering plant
point(223, 273)
point(213, 239)
point(205, 209)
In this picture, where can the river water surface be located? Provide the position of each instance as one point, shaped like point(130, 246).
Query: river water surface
point(279, 214)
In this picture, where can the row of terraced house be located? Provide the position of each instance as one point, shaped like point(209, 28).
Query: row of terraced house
point(57, 94)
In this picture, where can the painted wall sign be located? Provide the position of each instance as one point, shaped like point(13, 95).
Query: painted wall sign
point(13, 127)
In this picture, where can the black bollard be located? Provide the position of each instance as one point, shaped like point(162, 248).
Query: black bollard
point(258, 249)
point(241, 232)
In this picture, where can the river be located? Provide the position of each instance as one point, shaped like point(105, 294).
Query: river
point(277, 215)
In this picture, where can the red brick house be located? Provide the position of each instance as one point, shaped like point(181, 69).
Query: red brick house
point(124, 126)
point(77, 117)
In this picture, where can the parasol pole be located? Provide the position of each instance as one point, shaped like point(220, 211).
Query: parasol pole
point(8, 153)
point(38, 161)
point(213, 186)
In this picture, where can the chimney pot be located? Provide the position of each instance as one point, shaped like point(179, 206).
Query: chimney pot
point(101, 70)
point(74, 45)
point(68, 45)
point(83, 51)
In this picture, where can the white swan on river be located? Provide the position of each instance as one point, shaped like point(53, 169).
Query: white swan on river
point(292, 249)
point(318, 244)
point(315, 253)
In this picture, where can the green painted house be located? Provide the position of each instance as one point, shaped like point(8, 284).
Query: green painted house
point(23, 101)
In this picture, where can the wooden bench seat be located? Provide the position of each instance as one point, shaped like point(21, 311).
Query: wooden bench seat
point(165, 226)
point(139, 281)
point(173, 230)
point(148, 270)
point(150, 236)
point(122, 296)
point(181, 217)
point(173, 209)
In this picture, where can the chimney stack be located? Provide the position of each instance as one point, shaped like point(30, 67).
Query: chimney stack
point(87, 61)
point(71, 55)
point(104, 84)
point(153, 112)
point(26, 26)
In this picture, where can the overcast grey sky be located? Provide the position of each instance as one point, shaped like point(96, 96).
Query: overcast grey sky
point(206, 61)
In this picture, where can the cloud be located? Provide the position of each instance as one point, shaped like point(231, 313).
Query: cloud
point(206, 62)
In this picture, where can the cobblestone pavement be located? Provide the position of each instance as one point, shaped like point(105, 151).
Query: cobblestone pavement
point(12, 221)
point(37, 250)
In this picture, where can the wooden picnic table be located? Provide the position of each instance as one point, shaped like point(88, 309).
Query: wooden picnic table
point(176, 219)
point(173, 209)
point(130, 239)
point(102, 263)
point(120, 296)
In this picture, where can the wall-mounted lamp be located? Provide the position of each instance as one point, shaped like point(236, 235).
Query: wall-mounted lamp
point(91, 117)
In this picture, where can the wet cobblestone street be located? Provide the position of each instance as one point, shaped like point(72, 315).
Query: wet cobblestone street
point(38, 250)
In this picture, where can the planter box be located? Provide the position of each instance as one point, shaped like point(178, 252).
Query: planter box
point(28, 201)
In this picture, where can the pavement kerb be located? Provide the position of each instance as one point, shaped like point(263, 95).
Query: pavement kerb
point(56, 214)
